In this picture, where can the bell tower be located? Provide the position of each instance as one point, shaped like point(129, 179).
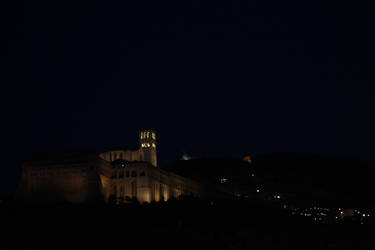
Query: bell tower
point(147, 143)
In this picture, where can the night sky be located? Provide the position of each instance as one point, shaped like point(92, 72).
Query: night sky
point(213, 78)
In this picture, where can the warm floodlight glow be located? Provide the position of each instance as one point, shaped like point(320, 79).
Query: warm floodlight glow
point(247, 159)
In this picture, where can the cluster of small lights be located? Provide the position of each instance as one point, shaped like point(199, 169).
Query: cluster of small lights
point(358, 212)
point(317, 214)
point(354, 214)
point(326, 214)
point(277, 197)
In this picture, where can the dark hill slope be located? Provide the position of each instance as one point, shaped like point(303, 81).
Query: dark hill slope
point(329, 179)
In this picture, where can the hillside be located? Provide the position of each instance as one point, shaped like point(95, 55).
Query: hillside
point(330, 181)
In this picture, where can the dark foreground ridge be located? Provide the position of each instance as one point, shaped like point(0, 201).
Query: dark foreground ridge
point(177, 224)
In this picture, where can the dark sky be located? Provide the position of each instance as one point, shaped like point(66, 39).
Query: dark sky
point(211, 77)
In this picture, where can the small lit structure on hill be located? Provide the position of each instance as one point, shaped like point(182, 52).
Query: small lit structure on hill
point(185, 157)
point(247, 159)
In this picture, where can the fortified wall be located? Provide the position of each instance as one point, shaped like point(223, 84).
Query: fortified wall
point(68, 177)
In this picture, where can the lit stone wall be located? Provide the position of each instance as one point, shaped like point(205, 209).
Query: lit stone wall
point(142, 181)
point(153, 184)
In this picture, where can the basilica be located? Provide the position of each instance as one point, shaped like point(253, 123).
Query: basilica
point(116, 175)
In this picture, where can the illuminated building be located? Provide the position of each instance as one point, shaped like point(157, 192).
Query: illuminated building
point(80, 177)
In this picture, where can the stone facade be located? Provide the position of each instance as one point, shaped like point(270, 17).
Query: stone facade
point(123, 180)
point(83, 177)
